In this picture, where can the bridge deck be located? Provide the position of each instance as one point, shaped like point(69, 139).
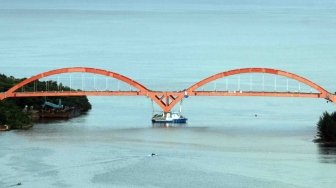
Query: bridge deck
point(174, 93)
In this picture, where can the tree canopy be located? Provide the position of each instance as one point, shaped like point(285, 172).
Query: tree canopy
point(326, 127)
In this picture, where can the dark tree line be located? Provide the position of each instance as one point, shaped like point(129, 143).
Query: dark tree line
point(326, 127)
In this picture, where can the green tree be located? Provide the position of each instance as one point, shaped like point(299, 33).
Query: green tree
point(326, 127)
point(12, 115)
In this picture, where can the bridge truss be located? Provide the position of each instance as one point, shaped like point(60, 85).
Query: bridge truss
point(166, 100)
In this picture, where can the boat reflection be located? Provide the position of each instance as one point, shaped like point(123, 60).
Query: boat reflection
point(168, 125)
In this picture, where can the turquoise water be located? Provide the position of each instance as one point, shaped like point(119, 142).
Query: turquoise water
point(169, 45)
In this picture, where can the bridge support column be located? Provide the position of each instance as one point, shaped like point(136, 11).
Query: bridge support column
point(166, 100)
point(333, 98)
point(2, 96)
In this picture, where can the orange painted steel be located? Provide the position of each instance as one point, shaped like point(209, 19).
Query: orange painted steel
point(76, 93)
point(324, 93)
point(163, 99)
point(332, 98)
point(83, 70)
point(167, 100)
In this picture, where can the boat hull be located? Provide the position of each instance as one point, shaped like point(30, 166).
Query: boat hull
point(180, 120)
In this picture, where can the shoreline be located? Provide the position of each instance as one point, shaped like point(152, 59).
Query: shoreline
point(38, 117)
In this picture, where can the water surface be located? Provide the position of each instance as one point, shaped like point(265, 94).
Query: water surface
point(169, 45)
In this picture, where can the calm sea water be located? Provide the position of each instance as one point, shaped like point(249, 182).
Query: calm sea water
point(169, 45)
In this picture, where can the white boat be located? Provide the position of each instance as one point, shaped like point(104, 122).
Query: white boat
point(169, 117)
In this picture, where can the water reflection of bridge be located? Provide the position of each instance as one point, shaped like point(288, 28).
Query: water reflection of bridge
point(257, 83)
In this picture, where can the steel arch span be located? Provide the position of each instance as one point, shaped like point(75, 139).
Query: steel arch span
point(167, 100)
point(83, 70)
point(201, 83)
point(163, 99)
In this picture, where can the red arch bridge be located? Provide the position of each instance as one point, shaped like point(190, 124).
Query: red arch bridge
point(166, 100)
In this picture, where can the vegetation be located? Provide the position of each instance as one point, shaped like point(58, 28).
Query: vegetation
point(11, 109)
point(12, 115)
point(326, 128)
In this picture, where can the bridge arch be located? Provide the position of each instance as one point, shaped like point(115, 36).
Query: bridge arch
point(167, 100)
point(117, 76)
point(323, 92)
